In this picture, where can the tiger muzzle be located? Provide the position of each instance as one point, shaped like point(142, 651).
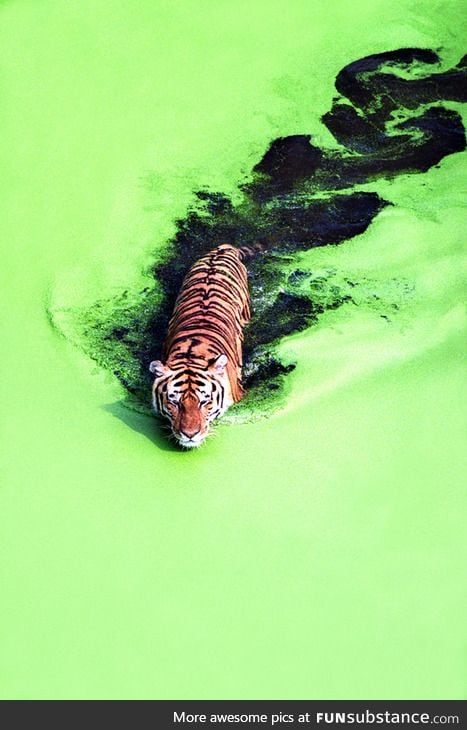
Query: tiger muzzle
point(191, 425)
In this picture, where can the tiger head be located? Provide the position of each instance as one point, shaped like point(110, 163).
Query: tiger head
point(191, 397)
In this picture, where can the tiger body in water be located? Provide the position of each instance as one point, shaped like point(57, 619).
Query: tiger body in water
point(202, 369)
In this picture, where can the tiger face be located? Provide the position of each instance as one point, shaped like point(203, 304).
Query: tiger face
point(191, 397)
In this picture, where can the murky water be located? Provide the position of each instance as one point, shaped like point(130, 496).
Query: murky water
point(317, 552)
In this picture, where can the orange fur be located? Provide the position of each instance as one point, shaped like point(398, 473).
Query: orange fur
point(210, 313)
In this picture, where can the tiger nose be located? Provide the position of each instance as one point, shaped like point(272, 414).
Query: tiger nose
point(189, 433)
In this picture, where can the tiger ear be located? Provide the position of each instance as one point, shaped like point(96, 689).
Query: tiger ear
point(218, 366)
point(157, 368)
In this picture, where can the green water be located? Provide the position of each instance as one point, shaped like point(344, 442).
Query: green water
point(317, 553)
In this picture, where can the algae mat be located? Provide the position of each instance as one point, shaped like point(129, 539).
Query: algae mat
point(315, 553)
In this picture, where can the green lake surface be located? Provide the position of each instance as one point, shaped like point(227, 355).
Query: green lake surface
point(316, 553)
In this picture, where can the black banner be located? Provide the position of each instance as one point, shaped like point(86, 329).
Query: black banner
point(184, 714)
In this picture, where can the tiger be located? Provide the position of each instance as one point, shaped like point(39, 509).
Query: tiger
point(200, 376)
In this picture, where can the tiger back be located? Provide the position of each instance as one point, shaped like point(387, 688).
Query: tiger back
point(201, 373)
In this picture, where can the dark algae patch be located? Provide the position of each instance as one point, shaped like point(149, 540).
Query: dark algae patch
point(388, 119)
